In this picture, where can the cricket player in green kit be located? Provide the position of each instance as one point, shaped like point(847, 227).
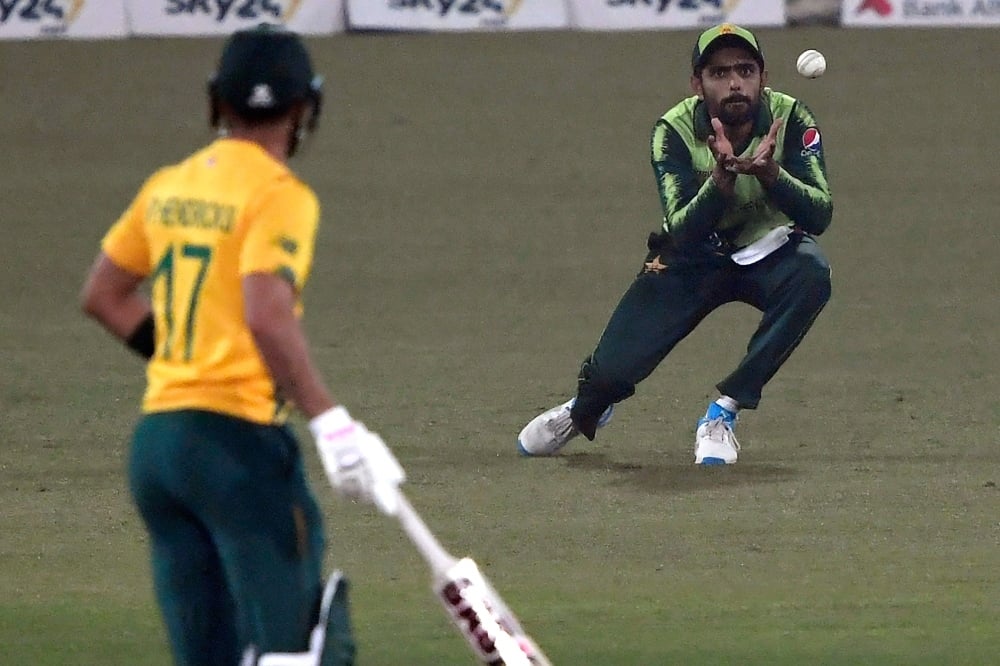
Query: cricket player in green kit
point(225, 240)
point(742, 182)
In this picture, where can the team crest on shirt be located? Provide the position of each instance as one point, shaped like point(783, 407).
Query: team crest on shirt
point(812, 144)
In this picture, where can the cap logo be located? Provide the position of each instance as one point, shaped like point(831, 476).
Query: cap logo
point(726, 29)
point(261, 97)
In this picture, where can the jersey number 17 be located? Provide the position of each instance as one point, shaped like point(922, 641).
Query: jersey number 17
point(176, 259)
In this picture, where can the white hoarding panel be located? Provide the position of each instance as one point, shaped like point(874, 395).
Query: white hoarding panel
point(222, 17)
point(674, 14)
point(920, 13)
point(457, 15)
point(48, 19)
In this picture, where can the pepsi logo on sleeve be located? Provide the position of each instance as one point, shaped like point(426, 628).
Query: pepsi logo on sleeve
point(812, 144)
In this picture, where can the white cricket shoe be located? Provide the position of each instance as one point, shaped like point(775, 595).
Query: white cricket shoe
point(548, 432)
point(715, 442)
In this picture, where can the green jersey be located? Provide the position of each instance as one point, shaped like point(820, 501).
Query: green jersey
point(694, 208)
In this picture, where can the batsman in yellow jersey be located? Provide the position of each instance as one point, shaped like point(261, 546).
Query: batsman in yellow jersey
point(225, 241)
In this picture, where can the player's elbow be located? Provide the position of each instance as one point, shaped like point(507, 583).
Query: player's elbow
point(87, 305)
point(93, 301)
point(820, 219)
point(108, 292)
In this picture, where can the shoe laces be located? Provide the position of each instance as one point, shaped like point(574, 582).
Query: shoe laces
point(561, 425)
point(719, 430)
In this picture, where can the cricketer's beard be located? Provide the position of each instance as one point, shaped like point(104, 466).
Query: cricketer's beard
point(733, 116)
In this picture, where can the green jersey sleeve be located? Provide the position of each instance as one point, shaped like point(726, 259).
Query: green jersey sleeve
point(692, 204)
point(801, 191)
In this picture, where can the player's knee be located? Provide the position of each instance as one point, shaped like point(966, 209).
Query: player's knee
point(813, 278)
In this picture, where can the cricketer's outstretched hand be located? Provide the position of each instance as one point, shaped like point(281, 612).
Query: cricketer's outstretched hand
point(724, 173)
point(358, 463)
point(761, 164)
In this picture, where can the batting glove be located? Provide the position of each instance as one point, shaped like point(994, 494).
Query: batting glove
point(357, 462)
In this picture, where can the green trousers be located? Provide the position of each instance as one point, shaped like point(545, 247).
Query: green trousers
point(671, 296)
point(236, 535)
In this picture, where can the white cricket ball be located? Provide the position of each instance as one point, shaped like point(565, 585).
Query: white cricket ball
point(811, 64)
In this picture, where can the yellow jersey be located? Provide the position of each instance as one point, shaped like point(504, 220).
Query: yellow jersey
point(195, 229)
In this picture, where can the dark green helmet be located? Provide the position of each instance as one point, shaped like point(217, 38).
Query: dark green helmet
point(262, 73)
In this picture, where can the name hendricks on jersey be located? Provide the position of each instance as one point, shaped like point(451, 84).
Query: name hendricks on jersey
point(194, 213)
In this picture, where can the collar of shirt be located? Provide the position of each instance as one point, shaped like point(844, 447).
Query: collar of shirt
point(761, 124)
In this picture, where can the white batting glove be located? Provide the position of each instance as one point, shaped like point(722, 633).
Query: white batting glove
point(357, 462)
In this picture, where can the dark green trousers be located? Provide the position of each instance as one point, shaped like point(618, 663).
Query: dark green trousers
point(664, 304)
point(236, 535)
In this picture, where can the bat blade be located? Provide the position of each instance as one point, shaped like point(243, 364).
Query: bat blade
point(474, 607)
point(482, 617)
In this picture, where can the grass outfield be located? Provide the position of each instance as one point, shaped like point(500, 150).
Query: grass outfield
point(486, 201)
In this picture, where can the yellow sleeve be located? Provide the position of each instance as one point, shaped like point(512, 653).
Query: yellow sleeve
point(126, 243)
point(281, 233)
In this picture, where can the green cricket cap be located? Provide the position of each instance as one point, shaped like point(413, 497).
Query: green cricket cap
point(725, 34)
point(263, 71)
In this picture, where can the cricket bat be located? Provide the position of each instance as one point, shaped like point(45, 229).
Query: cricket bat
point(474, 607)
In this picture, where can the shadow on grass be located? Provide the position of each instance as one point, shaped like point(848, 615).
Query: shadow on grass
point(674, 478)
